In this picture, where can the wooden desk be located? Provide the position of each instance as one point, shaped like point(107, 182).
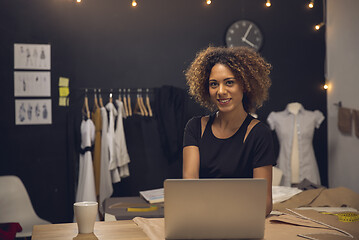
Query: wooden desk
point(118, 230)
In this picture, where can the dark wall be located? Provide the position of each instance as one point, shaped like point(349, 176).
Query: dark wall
point(109, 44)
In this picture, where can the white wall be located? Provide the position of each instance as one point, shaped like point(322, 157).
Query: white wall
point(342, 36)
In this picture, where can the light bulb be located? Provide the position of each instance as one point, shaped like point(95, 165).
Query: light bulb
point(268, 4)
point(318, 26)
point(311, 4)
point(134, 3)
point(208, 2)
point(78, 1)
point(325, 86)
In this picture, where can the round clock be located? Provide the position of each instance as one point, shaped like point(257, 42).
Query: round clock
point(244, 33)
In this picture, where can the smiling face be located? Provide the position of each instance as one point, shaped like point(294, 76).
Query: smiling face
point(225, 91)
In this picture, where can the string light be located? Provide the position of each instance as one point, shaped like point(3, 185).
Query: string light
point(318, 26)
point(78, 1)
point(208, 2)
point(326, 86)
point(268, 4)
point(134, 3)
point(311, 4)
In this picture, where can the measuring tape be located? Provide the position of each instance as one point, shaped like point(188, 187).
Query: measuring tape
point(345, 216)
point(148, 209)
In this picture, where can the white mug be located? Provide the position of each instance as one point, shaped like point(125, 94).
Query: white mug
point(85, 215)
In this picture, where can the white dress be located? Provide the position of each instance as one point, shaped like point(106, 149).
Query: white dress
point(86, 183)
point(111, 142)
point(121, 155)
point(106, 189)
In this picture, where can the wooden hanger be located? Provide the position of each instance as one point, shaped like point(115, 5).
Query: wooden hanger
point(100, 97)
point(110, 98)
point(142, 104)
point(120, 94)
point(138, 108)
point(120, 99)
point(129, 102)
point(125, 102)
point(85, 107)
point(148, 103)
point(95, 100)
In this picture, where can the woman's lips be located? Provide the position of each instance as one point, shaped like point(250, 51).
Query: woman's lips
point(224, 101)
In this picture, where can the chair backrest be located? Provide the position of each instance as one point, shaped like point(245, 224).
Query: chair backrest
point(16, 206)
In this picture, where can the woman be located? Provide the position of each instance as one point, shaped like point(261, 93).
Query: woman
point(229, 143)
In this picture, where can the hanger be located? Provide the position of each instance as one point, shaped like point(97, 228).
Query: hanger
point(96, 106)
point(120, 100)
point(85, 107)
point(138, 108)
point(110, 98)
point(142, 104)
point(100, 97)
point(148, 103)
point(120, 94)
point(129, 102)
point(125, 102)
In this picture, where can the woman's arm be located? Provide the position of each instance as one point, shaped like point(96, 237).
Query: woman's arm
point(266, 173)
point(191, 162)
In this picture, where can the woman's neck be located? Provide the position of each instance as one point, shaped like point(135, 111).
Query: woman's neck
point(231, 120)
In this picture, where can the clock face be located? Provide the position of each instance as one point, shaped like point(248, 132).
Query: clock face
point(244, 33)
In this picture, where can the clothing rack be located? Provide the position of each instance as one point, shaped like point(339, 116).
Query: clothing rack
point(116, 90)
point(142, 99)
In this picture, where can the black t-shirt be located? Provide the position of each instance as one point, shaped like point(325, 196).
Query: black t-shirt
point(230, 157)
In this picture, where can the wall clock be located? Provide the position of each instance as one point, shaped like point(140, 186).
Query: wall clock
point(244, 33)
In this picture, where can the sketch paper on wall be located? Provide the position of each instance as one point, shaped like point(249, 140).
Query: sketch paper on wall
point(33, 112)
point(32, 84)
point(32, 56)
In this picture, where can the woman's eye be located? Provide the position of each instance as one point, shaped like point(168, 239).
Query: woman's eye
point(213, 84)
point(229, 83)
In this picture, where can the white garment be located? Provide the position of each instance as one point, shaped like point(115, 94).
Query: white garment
point(283, 123)
point(106, 189)
point(111, 142)
point(121, 155)
point(86, 185)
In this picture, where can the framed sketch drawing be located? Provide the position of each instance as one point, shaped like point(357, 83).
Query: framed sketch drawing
point(33, 111)
point(32, 84)
point(32, 56)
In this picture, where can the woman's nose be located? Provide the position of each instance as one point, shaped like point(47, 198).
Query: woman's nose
point(221, 89)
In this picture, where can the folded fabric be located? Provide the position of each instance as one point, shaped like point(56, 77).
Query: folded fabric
point(322, 197)
point(345, 120)
point(356, 122)
point(8, 230)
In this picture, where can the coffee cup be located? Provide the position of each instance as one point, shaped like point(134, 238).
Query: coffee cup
point(85, 215)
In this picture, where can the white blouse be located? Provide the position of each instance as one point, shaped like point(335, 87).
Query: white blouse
point(304, 122)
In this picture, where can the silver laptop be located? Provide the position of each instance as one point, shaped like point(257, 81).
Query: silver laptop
point(214, 208)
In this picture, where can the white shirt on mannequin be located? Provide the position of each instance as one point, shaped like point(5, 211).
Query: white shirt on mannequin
point(296, 156)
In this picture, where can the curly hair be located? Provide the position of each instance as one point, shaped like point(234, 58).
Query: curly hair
point(246, 65)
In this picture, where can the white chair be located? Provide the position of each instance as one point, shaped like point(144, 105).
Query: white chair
point(276, 176)
point(16, 206)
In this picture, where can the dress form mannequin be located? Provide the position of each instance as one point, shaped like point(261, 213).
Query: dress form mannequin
point(294, 109)
point(295, 127)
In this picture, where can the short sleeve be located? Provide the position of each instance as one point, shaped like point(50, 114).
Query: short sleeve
point(270, 120)
point(319, 117)
point(192, 132)
point(263, 148)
